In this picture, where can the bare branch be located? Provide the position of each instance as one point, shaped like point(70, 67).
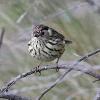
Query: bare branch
point(1, 36)
point(13, 97)
point(77, 66)
point(54, 84)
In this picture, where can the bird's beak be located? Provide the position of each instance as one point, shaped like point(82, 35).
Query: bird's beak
point(35, 34)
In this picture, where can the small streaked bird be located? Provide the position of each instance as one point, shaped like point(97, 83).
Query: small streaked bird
point(46, 44)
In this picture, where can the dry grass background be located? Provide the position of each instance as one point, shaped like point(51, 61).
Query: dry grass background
point(76, 19)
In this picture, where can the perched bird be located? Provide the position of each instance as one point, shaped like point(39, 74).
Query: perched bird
point(46, 44)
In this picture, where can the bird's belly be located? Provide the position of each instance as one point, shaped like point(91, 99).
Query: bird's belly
point(45, 52)
point(50, 52)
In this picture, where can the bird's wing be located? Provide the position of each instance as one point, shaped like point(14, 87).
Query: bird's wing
point(59, 37)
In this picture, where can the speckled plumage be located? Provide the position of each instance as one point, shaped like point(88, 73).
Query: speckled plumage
point(46, 43)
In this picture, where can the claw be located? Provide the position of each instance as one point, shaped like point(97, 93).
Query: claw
point(57, 69)
point(38, 70)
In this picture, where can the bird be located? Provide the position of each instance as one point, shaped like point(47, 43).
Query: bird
point(46, 44)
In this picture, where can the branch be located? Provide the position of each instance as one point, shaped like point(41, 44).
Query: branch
point(13, 97)
point(1, 36)
point(54, 84)
point(64, 65)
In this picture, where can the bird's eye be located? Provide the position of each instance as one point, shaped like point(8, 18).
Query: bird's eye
point(42, 33)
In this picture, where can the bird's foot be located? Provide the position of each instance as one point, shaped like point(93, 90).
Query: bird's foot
point(38, 70)
point(57, 68)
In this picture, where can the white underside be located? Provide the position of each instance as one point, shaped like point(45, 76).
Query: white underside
point(38, 53)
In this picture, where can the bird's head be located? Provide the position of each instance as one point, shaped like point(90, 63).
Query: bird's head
point(42, 31)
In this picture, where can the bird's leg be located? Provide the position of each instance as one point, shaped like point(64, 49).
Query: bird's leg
point(57, 68)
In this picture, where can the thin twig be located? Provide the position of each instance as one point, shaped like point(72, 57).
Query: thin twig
point(54, 84)
point(89, 55)
point(1, 36)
